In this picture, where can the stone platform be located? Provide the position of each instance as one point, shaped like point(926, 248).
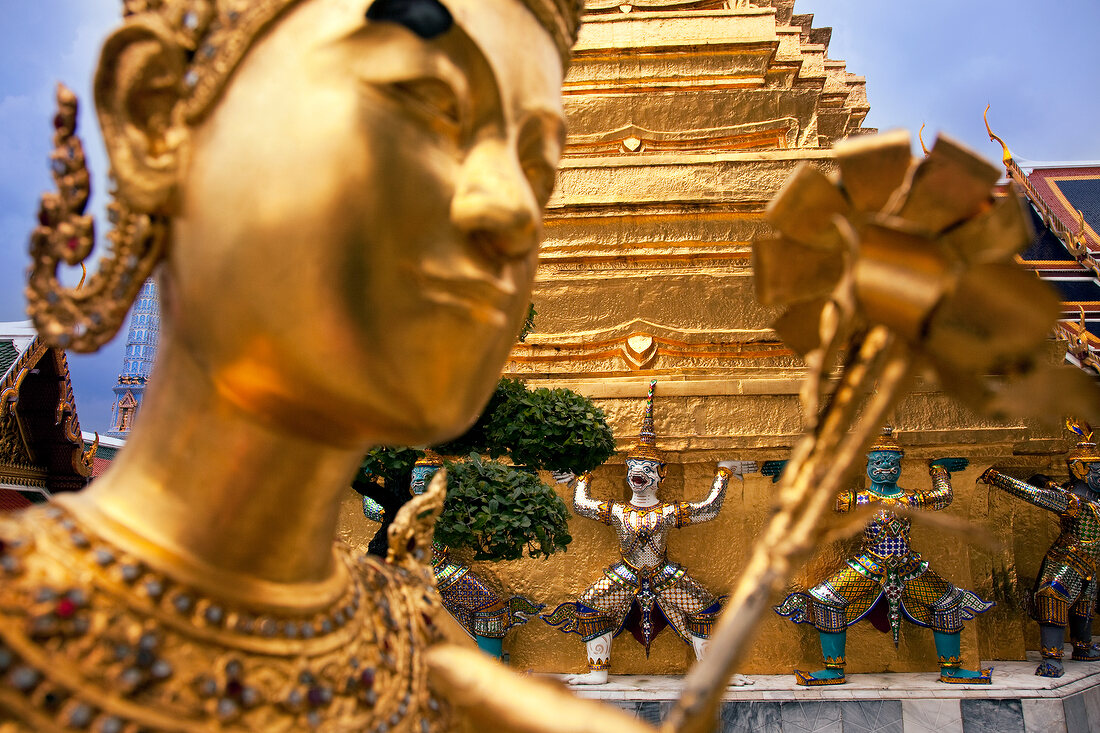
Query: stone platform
point(1016, 702)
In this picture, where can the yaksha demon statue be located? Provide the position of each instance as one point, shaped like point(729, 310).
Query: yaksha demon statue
point(888, 576)
point(644, 591)
point(478, 608)
point(1065, 592)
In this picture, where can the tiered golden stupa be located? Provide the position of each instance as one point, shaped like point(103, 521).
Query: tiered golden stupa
point(684, 119)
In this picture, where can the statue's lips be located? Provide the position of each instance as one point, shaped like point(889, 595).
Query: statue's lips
point(484, 296)
point(638, 480)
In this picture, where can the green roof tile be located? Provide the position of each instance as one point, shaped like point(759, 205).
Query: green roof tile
point(8, 355)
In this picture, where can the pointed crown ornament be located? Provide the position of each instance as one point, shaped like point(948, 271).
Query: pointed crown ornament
point(1086, 450)
point(646, 447)
point(886, 442)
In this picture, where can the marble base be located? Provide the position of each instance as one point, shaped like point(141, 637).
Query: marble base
point(1016, 702)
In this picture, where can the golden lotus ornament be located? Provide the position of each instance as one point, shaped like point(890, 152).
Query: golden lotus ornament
point(923, 248)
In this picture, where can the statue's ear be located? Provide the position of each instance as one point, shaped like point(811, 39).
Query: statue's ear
point(138, 86)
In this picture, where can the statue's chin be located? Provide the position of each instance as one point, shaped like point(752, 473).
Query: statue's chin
point(427, 421)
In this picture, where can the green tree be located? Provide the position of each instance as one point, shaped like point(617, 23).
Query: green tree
point(495, 509)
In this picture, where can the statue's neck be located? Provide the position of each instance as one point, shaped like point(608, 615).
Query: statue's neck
point(204, 489)
point(644, 501)
point(886, 489)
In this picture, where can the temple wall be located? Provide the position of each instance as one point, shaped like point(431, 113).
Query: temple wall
point(986, 541)
point(685, 119)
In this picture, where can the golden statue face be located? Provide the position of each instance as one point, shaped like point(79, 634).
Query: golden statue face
point(356, 223)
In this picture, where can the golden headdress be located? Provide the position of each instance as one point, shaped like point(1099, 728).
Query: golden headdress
point(886, 442)
point(646, 447)
point(1085, 451)
point(215, 35)
point(430, 458)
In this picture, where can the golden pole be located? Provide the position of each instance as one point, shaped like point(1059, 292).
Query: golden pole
point(818, 469)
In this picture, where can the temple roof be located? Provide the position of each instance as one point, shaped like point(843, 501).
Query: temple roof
point(1064, 202)
point(41, 450)
point(106, 450)
point(15, 337)
point(8, 354)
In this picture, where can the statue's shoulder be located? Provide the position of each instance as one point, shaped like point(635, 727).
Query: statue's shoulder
point(377, 572)
point(36, 545)
point(863, 497)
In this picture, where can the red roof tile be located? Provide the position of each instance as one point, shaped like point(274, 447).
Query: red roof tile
point(12, 501)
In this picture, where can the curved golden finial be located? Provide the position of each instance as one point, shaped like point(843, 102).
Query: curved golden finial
point(83, 276)
point(921, 138)
point(1006, 155)
point(89, 454)
point(1079, 427)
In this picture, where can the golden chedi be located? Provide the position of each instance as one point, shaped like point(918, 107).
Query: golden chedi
point(341, 199)
point(684, 118)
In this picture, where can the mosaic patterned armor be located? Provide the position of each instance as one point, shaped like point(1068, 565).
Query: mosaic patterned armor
point(477, 607)
point(644, 575)
point(887, 580)
point(644, 591)
point(1067, 579)
point(1065, 591)
point(887, 567)
point(474, 604)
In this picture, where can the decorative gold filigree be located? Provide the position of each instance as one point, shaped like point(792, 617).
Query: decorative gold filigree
point(215, 35)
point(86, 317)
point(99, 640)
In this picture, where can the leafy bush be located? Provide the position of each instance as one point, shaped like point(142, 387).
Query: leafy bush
point(387, 463)
point(499, 511)
point(550, 429)
point(494, 509)
point(384, 476)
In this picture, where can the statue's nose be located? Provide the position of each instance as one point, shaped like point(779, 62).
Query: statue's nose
point(493, 202)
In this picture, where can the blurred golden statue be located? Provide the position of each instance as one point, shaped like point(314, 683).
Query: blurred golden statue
point(342, 201)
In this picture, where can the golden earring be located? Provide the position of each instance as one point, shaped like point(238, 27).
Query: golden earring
point(86, 317)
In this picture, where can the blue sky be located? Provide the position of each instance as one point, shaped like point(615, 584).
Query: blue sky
point(935, 62)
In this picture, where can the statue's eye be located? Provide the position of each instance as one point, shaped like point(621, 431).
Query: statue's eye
point(431, 99)
point(541, 175)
